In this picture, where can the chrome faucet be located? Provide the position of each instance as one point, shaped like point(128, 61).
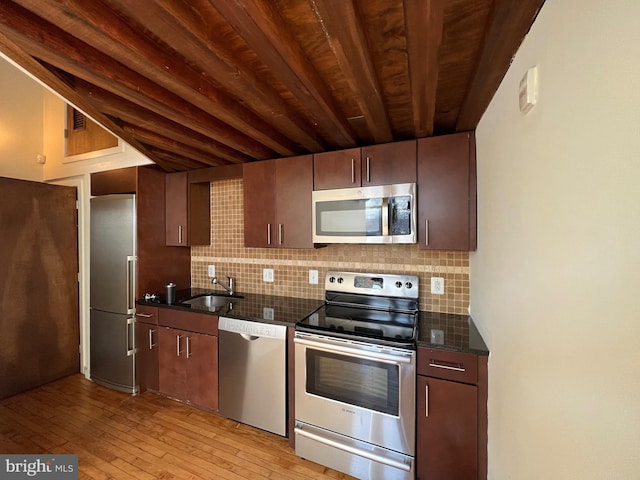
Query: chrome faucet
point(229, 289)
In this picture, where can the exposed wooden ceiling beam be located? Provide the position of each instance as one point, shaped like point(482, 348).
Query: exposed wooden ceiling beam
point(133, 57)
point(262, 27)
point(154, 139)
point(114, 106)
point(67, 54)
point(344, 32)
point(423, 22)
point(29, 64)
point(508, 24)
point(243, 86)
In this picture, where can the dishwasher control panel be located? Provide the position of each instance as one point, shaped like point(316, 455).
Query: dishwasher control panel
point(250, 328)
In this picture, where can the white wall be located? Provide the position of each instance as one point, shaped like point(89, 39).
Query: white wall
point(555, 283)
point(21, 124)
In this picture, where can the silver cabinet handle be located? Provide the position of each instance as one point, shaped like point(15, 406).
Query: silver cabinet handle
point(368, 168)
point(131, 283)
point(143, 315)
point(426, 232)
point(353, 170)
point(188, 346)
point(455, 368)
point(426, 400)
point(131, 336)
point(280, 234)
point(178, 351)
point(268, 234)
point(385, 216)
point(180, 234)
point(151, 344)
point(368, 454)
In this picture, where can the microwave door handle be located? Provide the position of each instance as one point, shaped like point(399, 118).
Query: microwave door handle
point(385, 216)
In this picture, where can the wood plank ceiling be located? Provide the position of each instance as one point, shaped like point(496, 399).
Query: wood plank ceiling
point(200, 83)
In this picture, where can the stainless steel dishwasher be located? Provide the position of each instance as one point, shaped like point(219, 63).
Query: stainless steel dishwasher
point(252, 373)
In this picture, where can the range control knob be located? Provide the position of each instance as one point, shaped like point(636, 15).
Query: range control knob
point(398, 284)
point(332, 279)
point(408, 285)
point(340, 279)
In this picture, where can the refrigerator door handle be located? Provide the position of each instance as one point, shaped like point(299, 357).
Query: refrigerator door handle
point(131, 336)
point(131, 283)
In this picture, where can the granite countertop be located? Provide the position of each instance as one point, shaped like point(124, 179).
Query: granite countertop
point(247, 306)
point(459, 333)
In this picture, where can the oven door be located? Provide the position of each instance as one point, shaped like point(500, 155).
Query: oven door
point(364, 391)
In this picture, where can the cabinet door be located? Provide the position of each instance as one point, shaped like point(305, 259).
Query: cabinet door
point(447, 430)
point(147, 356)
point(172, 365)
point(340, 169)
point(259, 204)
point(389, 163)
point(294, 183)
point(446, 192)
point(176, 232)
point(201, 353)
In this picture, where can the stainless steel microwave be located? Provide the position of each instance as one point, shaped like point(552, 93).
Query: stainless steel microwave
point(380, 214)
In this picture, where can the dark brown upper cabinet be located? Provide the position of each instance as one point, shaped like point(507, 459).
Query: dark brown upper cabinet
point(157, 262)
point(389, 163)
point(188, 211)
point(277, 203)
point(447, 192)
point(383, 164)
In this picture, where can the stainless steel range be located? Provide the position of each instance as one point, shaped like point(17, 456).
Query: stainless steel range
point(355, 376)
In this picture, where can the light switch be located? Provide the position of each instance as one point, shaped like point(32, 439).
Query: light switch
point(211, 271)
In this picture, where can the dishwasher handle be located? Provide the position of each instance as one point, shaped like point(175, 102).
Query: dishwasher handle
point(249, 338)
point(252, 330)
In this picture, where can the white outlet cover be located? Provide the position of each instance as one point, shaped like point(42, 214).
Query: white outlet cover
point(267, 313)
point(267, 274)
point(313, 277)
point(437, 336)
point(437, 285)
point(211, 271)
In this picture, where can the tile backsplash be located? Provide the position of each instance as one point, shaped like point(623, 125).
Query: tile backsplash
point(291, 266)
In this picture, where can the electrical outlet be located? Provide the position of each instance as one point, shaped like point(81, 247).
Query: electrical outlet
point(211, 271)
point(437, 336)
point(313, 277)
point(267, 313)
point(437, 285)
point(267, 274)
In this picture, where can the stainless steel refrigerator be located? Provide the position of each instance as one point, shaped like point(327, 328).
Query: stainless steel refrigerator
point(113, 287)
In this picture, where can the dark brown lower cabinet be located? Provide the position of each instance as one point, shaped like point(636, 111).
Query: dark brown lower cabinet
point(147, 349)
point(447, 422)
point(451, 415)
point(188, 364)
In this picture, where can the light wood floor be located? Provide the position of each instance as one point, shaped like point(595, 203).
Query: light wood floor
point(146, 437)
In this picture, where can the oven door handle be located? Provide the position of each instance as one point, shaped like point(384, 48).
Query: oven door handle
point(356, 352)
point(353, 450)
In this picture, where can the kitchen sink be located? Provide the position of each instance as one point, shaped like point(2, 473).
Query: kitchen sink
point(211, 300)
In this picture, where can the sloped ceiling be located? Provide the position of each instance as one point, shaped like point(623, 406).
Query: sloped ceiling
point(200, 83)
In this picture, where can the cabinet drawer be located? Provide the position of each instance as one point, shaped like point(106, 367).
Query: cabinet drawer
point(192, 322)
point(146, 314)
point(460, 367)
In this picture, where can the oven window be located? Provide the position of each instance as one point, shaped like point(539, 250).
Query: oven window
point(361, 382)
